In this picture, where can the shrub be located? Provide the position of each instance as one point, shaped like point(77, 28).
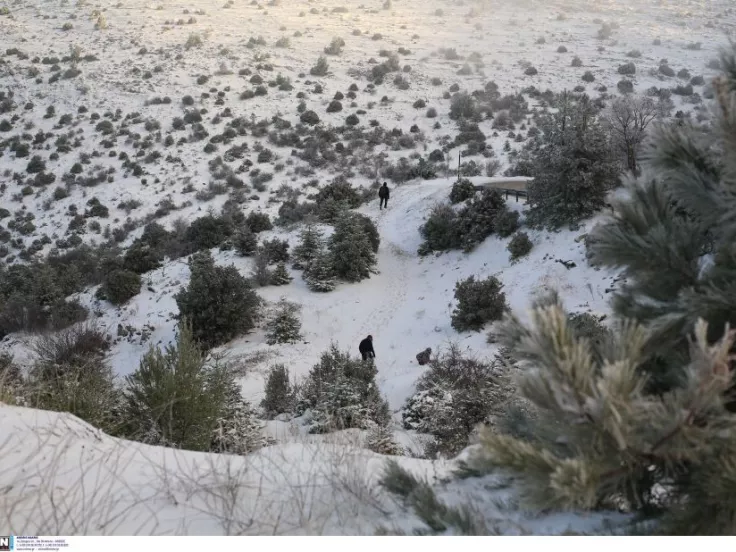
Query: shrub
point(207, 232)
point(370, 230)
point(342, 393)
point(464, 106)
point(284, 326)
point(335, 47)
point(309, 117)
point(576, 62)
point(431, 113)
point(280, 396)
point(519, 245)
point(627, 69)
point(175, 398)
point(625, 86)
point(245, 241)
point(462, 190)
point(666, 70)
point(351, 250)
point(218, 301)
point(275, 250)
point(454, 394)
point(334, 107)
point(506, 222)
point(258, 222)
point(530, 71)
point(321, 68)
point(441, 230)
point(352, 120)
point(120, 286)
point(478, 302)
point(309, 247)
point(71, 375)
point(588, 76)
point(339, 190)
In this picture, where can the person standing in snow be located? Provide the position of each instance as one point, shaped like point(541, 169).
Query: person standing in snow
point(383, 194)
point(366, 348)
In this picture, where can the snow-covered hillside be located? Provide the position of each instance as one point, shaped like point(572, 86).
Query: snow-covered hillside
point(61, 476)
point(115, 115)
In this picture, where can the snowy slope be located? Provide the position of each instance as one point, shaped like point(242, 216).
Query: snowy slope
point(60, 476)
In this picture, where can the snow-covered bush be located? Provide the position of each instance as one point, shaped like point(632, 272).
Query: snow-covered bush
point(341, 393)
point(284, 325)
point(440, 231)
point(506, 223)
point(321, 68)
point(461, 190)
point(320, 274)
point(280, 275)
point(478, 302)
point(219, 302)
point(245, 241)
point(381, 440)
point(519, 245)
point(275, 250)
point(452, 396)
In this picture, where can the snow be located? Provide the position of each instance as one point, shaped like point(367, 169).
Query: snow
point(61, 476)
point(299, 485)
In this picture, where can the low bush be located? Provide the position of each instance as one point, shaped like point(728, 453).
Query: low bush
point(478, 302)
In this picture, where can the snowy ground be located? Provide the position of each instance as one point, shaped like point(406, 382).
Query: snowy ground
point(61, 476)
point(140, 55)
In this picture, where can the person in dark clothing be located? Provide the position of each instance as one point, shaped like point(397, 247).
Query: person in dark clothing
point(366, 348)
point(383, 194)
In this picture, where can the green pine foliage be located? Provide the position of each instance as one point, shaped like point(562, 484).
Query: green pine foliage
point(478, 302)
point(176, 398)
point(380, 439)
point(641, 418)
point(520, 245)
point(120, 286)
point(280, 275)
point(462, 190)
point(321, 274)
point(219, 302)
point(284, 325)
point(245, 241)
point(573, 165)
point(310, 246)
point(280, 395)
point(351, 250)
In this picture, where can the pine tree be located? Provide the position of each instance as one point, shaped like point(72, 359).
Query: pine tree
point(174, 397)
point(279, 394)
point(218, 301)
point(236, 431)
point(310, 247)
point(573, 166)
point(284, 325)
point(351, 250)
point(280, 276)
point(644, 419)
point(342, 393)
point(245, 241)
point(381, 440)
point(321, 276)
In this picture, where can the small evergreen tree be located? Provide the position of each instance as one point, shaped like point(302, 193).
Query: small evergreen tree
point(284, 325)
point(573, 166)
point(309, 248)
point(245, 241)
point(280, 275)
point(321, 274)
point(462, 190)
point(279, 395)
point(174, 397)
point(519, 245)
point(381, 440)
point(218, 301)
point(478, 302)
point(261, 275)
point(236, 430)
point(342, 393)
point(351, 250)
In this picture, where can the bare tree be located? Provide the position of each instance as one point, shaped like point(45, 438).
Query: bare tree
point(628, 118)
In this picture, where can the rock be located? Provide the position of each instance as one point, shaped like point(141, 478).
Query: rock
point(423, 357)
